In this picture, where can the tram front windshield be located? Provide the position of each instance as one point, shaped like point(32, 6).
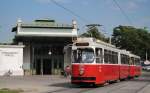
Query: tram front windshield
point(85, 55)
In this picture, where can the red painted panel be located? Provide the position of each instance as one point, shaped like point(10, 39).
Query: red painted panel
point(132, 71)
point(101, 72)
point(88, 71)
point(124, 71)
point(137, 70)
point(111, 72)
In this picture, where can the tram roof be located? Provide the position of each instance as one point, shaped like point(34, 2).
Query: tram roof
point(95, 41)
point(133, 55)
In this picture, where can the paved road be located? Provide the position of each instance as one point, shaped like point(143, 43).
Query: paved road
point(59, 84)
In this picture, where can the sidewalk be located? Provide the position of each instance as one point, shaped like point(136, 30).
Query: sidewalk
point(35, 84)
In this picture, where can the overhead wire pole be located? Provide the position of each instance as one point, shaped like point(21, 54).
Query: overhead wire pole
point(91, 26)
point(70, 11)
point(109, 35)
point(123, 12)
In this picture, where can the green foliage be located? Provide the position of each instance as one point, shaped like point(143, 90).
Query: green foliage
point(132, 39)
point(6, 90)
point(94, 32)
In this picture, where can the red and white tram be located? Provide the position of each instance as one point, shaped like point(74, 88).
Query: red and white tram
point(97, 62)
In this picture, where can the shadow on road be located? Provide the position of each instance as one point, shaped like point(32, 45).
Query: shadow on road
point(145, 77)
point(65, 85)
point(69, 85)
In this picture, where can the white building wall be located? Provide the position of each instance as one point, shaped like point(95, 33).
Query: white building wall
point(11, 60)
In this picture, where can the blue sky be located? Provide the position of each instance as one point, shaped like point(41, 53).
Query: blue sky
point(104, 12)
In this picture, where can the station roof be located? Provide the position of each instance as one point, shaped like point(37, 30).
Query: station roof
point(44, 23)
point(44, 30)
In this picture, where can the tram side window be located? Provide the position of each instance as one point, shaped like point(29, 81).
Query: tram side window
point(114, 57)
point(131, 61)
point(99, 55)
point(124, 59)
point(106, 56)
point(74, 56)
point(127, 62)
point(110, 57)
point(137, 61)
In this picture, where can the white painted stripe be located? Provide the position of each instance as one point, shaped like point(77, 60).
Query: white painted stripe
point(96, 64)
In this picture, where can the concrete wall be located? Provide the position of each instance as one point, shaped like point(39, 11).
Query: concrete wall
point(11, 60)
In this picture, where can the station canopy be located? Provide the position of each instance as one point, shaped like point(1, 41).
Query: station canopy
point(44, 30)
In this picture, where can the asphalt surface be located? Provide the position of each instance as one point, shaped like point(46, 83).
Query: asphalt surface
point(59, 84)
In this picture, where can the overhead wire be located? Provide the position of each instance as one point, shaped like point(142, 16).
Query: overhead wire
point(123, 12)
point(70, 11)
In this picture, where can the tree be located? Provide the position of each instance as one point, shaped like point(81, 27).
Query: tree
point(132, 39)
point(93, 31)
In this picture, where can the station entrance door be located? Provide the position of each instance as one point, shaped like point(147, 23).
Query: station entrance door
point(43, 67)
point(47, 64)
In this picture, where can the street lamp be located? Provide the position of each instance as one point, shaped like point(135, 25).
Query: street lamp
point(49, 52)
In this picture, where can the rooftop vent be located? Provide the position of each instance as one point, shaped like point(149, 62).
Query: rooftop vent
point(44, 20)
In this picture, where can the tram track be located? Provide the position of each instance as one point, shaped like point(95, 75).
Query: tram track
point(69, 90)
point(74, 89)
point(85, 89)
point(113, 87)
point(127, 85)
point(137, 91)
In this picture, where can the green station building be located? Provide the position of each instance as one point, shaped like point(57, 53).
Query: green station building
point(44, 42)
